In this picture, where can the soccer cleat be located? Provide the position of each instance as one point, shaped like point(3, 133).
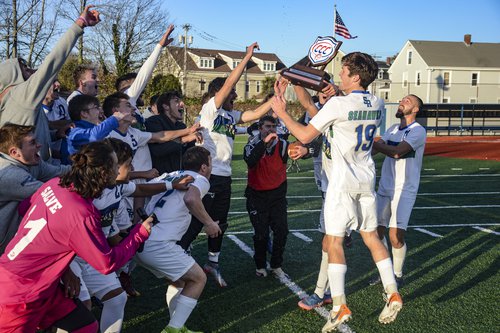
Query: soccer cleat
point(214, 270)
point(310, 302)
point(126, 282)
point(279, 273)
point(375, 280)
point(183, 329)
point(336, 318)
point(261, 272)
point(327, 299)
point(399, 281)
point(394, 304)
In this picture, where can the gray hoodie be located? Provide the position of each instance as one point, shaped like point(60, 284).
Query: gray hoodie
point(21, 100)
point(18, 182)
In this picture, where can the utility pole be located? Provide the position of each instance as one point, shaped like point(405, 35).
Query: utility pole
point(186, 40)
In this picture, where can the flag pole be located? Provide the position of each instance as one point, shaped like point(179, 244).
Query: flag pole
point(334, 36)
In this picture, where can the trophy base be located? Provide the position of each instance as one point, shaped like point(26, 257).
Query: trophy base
point(306, 77)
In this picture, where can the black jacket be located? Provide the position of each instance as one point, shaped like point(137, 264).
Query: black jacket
point(167, 156)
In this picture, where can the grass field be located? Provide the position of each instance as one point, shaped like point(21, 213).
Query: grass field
point(452, 282)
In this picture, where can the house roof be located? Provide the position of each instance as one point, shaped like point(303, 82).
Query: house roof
point(219, 63)
point(458, 54)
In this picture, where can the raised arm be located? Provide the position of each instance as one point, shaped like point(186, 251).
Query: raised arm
point(234, 77)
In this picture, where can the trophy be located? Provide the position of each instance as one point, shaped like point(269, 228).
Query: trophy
point(321, 52)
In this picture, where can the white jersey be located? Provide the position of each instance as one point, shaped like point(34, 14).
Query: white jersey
point(403, 174)
point(57, 111)
point(171, 210)
point(135, 139)
point(354, 120)
point(218, 135)
point(326, 158)
point(108, 204)
point(73, 94)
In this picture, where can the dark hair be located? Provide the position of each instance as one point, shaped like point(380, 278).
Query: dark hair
point(113, 101)
point(12, 135)
point(92, 170)
point(125, 81)
point(80, 72)
point(165, 99)
point(204, 98)
point(270, 119)
point(215, 85)
point(80, 103)
point(122, 149)
point(361, 64)
point(194, 158)
point(420, 103)
point(153, 99)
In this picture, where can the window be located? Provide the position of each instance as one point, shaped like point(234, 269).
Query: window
point(405, 79)
point(257, 86)
point(386, 97)
point(417, 80)
point(235, 63)
point(268, 67)
point(202, 85)
point(474, 79)
point(446, 100)
point(446, 79)
point(472, 100)
point(247, 86)
point(410, 54)
point(206, 63)
point(381, 74)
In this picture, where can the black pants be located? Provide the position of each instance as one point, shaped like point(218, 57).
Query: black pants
point(216, 203)
point(267, 210)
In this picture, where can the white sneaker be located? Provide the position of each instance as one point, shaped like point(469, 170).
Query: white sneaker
point(261, 272)
point(394, 304)
point(279, 274)
point(336, 318)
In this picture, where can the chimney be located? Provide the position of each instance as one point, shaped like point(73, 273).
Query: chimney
point(388, 61)
point(467, 39)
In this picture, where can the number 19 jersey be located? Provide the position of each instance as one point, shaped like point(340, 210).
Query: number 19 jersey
point(354, 120)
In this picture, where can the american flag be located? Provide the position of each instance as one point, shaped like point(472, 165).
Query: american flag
point(340, 27)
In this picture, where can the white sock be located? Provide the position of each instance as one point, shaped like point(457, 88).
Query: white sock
point(336, 277)
point(387, 275)
point(384, 241)
point(183, 309)
point(112, 314)
point(322, 282)
point(399, 255)
point(171, 297)
point(213, 257)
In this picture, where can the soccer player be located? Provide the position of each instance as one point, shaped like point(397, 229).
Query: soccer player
point(219, 121)
point(162, 255)
point(403, 144)
point(350, 197)
point(60, 222)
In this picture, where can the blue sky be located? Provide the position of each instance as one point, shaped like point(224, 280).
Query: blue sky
point(289, 27)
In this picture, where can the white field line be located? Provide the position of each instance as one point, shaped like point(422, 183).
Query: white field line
point(302, 236)
point(425, 231)
point(419, 194)
point(291, 285)
point(421, 176)
point(456, 169)
point(474, 225)
point(484, 168)
point(419, 208)
point(487, 230)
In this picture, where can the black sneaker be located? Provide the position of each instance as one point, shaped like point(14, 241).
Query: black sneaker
point(399, 281)
point(375, 280)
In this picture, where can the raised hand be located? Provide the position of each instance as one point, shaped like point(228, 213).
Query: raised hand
point(90, 17)
point(251, 48)
point(165, 40)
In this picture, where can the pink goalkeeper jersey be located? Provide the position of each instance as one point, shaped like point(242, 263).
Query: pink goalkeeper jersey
point(58, 225)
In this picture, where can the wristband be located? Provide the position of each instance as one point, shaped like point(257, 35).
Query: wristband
point(84, 21)
point(168, 184)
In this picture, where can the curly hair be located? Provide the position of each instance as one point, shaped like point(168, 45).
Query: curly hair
point(361, 64)
point(93, 169)
point(122, 149)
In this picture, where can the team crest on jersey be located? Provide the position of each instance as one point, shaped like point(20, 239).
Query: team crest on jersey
point(322, 50)
point(225, 126)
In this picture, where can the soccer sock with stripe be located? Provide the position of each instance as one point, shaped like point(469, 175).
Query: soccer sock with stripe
point(399, 255)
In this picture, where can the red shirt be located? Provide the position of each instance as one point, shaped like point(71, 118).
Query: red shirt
point(270, 171)
point(58, 225)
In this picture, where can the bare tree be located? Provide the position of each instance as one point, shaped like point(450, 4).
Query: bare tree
point(128, 32)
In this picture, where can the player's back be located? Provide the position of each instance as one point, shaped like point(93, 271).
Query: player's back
point(354, 120)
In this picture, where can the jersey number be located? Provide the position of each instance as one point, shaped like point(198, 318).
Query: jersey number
point(35, 226)
point(369, 133)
